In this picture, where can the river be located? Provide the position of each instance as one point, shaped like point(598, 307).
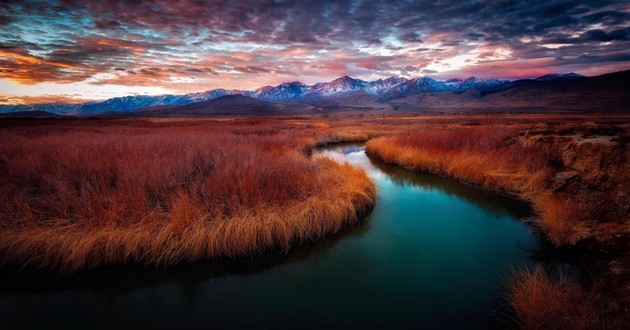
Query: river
point(432, 254)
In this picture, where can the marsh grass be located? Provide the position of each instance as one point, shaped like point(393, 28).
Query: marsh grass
point(495, 157)
point(499, 156)
point(543, 300)
point(78, 194)
point(82, 196)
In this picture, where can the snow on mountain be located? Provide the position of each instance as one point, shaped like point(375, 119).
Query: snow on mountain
point(551, 76)
point(208, 95)
point(340, 85)
point(383, 85)
point(453, 82)
point(130, 103)
point(282, 92)
point(414, 86)
point(386, 89)
point(476, 83)
point(468, 83)
point(424, 84)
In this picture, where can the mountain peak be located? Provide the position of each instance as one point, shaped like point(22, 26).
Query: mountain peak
point(340, 85)
point(283, 92)
point(472, 78)
point(293, 83)
point(344, 79)
point(550, 76)
point(423, 80)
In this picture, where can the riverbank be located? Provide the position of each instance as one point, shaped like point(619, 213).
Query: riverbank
point(77, 195)
point(576, 179)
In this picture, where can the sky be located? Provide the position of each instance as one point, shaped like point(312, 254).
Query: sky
point(73, 51)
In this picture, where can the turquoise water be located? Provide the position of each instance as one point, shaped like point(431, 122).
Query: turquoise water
point(432, 254)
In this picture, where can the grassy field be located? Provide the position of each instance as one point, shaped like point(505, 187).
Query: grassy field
point(78, 193)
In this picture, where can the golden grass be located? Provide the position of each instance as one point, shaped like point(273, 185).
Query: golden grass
point(488, 156)
point(500, 158)
point(541, 301)
point(527, 159)
point(77, 194)
point(85, 195)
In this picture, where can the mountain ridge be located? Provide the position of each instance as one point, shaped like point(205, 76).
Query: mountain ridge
point(342, 91)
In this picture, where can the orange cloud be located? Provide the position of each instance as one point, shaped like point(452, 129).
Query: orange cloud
point(25, 100)
point(28, 69)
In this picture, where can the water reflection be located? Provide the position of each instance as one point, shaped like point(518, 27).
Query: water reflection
point(493, 203)
point(107, 281)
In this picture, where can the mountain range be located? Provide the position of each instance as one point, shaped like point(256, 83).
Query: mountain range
point(552, 92)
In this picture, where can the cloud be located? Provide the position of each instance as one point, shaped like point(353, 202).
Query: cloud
point(191, 44)
point(47, 98)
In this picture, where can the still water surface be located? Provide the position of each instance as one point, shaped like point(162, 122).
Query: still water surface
point(432, 254)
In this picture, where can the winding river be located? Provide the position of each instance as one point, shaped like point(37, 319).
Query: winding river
point(432, 254)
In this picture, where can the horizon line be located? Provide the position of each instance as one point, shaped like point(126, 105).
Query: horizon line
point(67, 101)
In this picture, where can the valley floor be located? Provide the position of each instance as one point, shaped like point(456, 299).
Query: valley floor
point(78, 193)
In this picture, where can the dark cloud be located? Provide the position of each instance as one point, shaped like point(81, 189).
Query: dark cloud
point(111, 24)
point(601, 35)
point(607, 17)
point(70, 40)
point(324, 21)
point(5, 20)
point(411, 37)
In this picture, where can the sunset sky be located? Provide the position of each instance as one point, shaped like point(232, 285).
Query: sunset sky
point(72, 51)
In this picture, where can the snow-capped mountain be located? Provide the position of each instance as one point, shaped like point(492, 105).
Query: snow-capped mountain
point(469, 83)
point(473, 83)
point(340, 85)
point(209, 95)
point(414, 86)
point(551, 76)
point(453, 82)
point(383, 85)
point(424, 84)
point(383, 90)
point(283, 92)
point(130, 103)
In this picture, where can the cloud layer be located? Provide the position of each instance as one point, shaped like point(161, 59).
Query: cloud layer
point(191, 45)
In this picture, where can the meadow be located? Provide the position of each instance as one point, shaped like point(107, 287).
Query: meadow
point(78, 194)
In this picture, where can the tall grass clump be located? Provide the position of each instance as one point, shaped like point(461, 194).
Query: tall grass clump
point(87, 195)
point(542, 300)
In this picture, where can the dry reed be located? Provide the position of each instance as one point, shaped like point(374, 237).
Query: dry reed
point(82, 196)
point(542, 301)
point(494, 157)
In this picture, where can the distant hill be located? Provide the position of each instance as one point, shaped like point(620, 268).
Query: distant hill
point(30, 114)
